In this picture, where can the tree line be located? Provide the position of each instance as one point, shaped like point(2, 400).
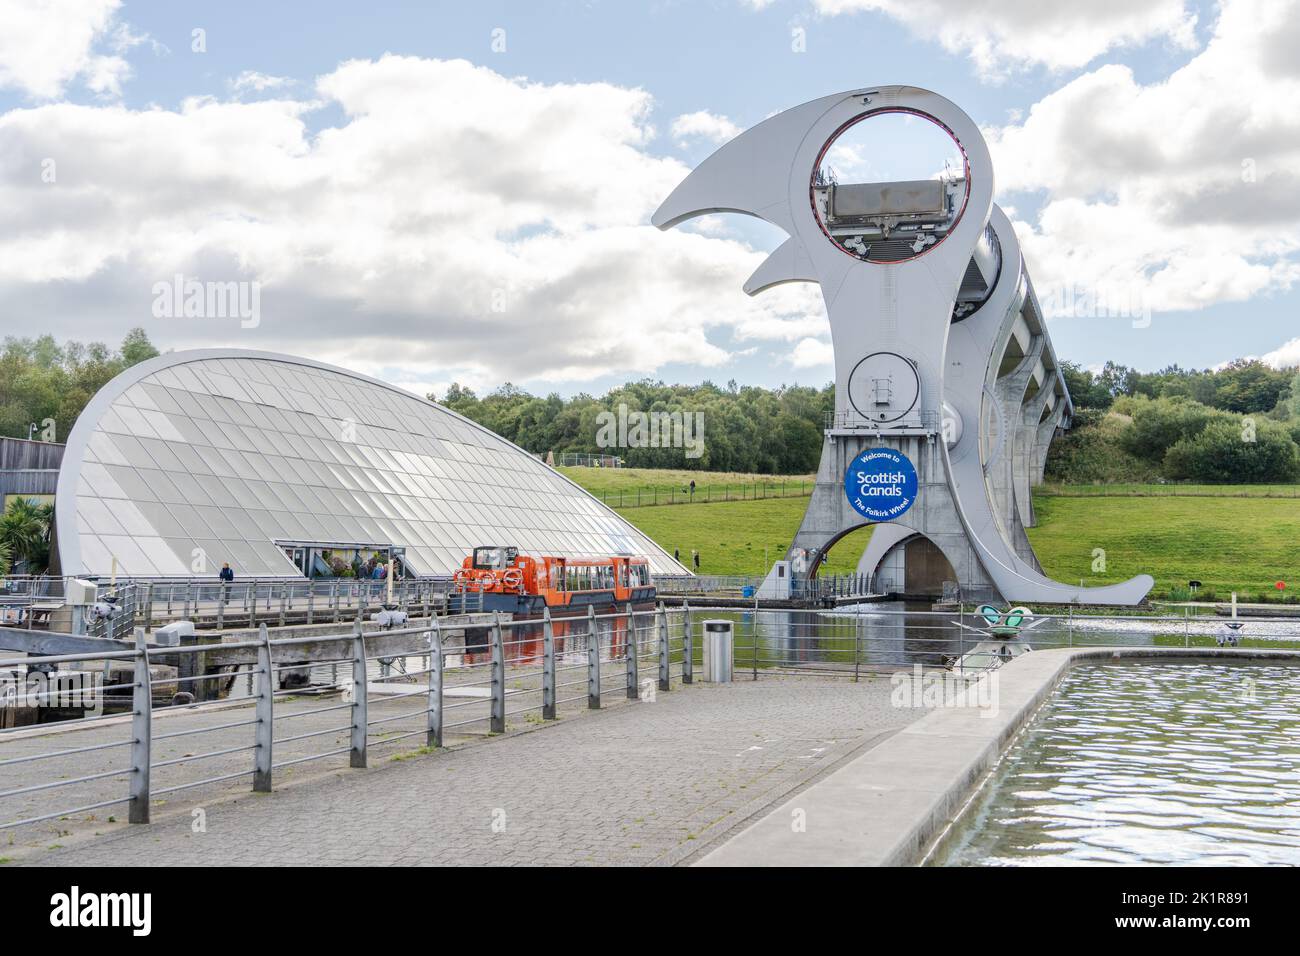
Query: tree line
point(746, 428)
point(1239, 424)
point(47, 384)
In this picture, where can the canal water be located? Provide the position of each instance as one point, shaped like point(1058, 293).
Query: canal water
point(886, 635)
point(902, 634)
point(1147, 764)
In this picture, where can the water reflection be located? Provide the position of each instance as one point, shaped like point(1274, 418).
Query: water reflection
point(1150, 763)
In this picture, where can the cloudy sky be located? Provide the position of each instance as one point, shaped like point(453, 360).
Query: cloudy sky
point(432, 192)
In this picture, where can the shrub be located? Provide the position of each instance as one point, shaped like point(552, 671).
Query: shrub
point(1221, 453)
point(1158, 424)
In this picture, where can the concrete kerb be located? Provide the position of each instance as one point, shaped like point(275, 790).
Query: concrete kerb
point(890, 805)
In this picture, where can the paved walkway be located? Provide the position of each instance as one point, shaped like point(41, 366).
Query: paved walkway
point(637, 783)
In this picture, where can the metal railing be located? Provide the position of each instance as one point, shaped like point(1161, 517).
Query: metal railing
point(853, 420)
point(278, 601)
point(705, 494)
point(818, 590)
point(149, 602)
point(495, 673)
point(824, 643)
point(503, 671)
point(570, 459)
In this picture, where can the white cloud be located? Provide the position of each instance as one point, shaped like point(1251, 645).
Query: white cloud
point(703, 125)
point(1002, 35)
point(45, 45)
point(454, 220)
point(812, 353)
point(250, 81)
point(1286, 355)
point(1183, 191)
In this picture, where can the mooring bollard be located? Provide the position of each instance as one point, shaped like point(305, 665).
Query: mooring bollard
point(141, 733)
point(265, 726)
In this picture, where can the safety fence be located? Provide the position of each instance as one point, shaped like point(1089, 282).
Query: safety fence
point(378, 686)
point(299, 700)
point(126, 603)
point(818, 590)
point(704, 494)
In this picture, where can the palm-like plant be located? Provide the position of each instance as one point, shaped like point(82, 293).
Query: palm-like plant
point(24, 529)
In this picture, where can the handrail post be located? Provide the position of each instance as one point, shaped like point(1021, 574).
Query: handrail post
point(434, 736)
point(857, 648)
point(311, 600)
point(141, 732)
point(633, 652)
point(548, 665)
point(665, 675)
point(497, 724)
point(265, 726)
point(221, 607)
point(593, 661)
point(688, 646)
point(148, 608)
point(360, 715)
point(284, 597)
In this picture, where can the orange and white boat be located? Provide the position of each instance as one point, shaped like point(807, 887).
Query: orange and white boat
point(499, 578)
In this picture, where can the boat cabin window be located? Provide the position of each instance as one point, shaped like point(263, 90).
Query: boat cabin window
point(494, 558)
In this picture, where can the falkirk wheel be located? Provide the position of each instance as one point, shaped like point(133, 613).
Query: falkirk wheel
point(947, 389)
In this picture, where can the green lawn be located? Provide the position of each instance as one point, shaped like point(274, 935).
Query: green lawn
point(632, 479)
point(731, 536)
point(1229, 537)
point(1170, 490)
point(1232, 542)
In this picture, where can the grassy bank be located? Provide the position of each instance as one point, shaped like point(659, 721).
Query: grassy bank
point(643, 487)
point(1229, 537)
point(1168, 490)
point(1233, 541)
point(731, 536)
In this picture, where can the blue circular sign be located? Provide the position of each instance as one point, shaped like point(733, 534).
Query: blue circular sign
point(881, 484)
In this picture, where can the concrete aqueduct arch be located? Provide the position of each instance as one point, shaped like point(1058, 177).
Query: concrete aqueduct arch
point(958, 315)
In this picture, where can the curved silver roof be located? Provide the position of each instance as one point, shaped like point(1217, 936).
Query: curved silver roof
point(200, 457)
